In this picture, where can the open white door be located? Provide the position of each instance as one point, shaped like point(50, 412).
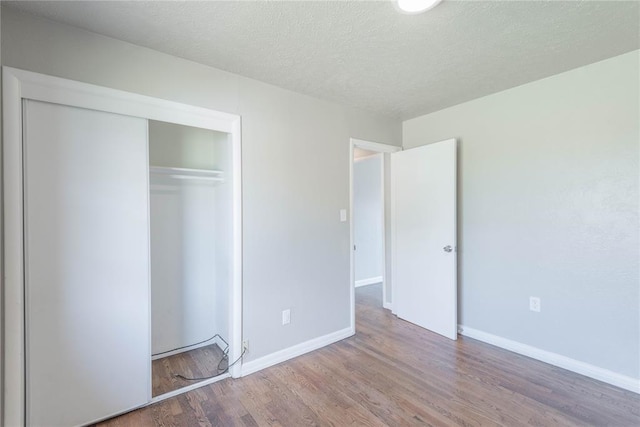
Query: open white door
point(423, 198)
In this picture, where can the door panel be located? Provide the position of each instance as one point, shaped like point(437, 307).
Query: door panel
point(87, 264)
point(424, 224)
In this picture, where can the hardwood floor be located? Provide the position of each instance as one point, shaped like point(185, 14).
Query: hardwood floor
point(393, 373)
point(198, 363)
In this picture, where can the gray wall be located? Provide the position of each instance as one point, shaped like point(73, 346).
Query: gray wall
point(548, 207)
point(296, 251)
point(367, 217)
point(173, 145)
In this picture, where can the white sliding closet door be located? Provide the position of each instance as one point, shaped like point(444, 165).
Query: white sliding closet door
point(87, 264)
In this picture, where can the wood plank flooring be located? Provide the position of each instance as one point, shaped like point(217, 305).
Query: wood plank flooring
point(393, 373)
point(198, 363)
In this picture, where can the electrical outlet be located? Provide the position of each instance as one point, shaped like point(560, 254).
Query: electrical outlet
point(534, 304)
point(286, 316)
point(245, 345)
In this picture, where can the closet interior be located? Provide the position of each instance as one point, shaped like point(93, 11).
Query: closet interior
point(191, 238)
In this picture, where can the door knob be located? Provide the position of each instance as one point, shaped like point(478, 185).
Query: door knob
point(448, 248)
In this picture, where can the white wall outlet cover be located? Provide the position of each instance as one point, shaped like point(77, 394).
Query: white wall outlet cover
point(286, 316)
point(534, 304)
point(343, 215)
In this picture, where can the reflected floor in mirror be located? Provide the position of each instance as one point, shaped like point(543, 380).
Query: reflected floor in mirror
point(198, 363)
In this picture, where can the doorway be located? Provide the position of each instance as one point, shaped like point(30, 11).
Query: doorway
point(370, 215)
point(419, 199)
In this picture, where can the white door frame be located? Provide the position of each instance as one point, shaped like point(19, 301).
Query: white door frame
point(378, 148)
point(19, 85)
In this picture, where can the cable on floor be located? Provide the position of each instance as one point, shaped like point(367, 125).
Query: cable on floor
point(191, 345)
point(225, 356)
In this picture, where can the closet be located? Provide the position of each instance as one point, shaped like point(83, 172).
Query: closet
point(191, 236)
point(122, 249)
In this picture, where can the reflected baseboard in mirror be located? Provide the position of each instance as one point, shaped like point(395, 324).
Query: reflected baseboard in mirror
point(199, 363)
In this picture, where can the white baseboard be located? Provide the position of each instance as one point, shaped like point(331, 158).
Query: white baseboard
point(369, 281)
point(295, 351)
point(586, 369)
point(387, 305)
point(215, 340)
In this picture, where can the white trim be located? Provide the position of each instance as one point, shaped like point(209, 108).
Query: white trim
point(582, 368)
point(14, 355)
point(388, 306)
point(352, 271)
point(235, 296)
point(369, 281)
point(57, 90)
point(19, 85)
point(295, 351)
point(149, 299)
point(215, 340)
point(374, 146)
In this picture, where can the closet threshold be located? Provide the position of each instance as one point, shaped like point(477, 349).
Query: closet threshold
point(186, 389)
point(186, 174)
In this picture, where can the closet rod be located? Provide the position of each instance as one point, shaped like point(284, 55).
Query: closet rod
point(184, 173)
point(203, 178)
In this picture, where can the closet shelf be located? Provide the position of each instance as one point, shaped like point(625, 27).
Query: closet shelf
point(184, 173)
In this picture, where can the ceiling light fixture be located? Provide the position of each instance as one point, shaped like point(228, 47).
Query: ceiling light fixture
point(417, 6)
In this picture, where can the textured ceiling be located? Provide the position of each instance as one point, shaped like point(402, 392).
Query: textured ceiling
point(365, 54)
